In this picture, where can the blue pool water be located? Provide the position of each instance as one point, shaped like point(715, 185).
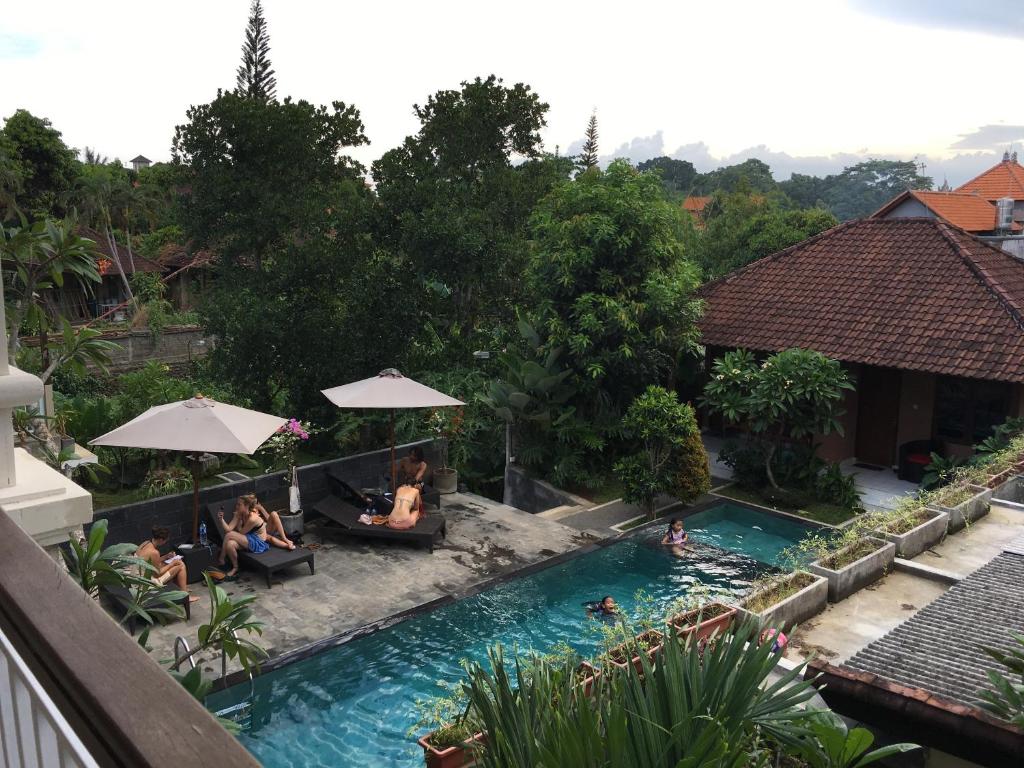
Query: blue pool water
point(353, 705)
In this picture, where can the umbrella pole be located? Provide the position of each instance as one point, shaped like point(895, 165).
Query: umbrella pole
point(394, 472)
point(195, 501)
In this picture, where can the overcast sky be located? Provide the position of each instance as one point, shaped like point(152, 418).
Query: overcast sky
point(807, 86)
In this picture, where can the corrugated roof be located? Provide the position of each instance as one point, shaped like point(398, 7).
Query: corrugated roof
point(913, 293)
point(939, 648)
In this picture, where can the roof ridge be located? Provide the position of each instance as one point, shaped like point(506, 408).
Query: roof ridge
point(992, 286)
point(779, 254)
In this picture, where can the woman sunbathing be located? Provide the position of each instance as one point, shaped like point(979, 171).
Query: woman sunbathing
point(408, 508)
point(247, 531)
point(275, 528)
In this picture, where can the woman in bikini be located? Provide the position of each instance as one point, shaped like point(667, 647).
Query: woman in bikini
point(247, 530)
point(275, 528)
point(408, 508)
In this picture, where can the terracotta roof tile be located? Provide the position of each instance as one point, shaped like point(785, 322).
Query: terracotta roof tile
point(916, 294)
point(961, 209)
point(1005, 179)
point(696, 204)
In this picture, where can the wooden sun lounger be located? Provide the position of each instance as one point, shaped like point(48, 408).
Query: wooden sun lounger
point(345, 517)
point(268, 563)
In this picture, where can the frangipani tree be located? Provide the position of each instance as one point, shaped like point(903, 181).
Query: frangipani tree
point(790, 396)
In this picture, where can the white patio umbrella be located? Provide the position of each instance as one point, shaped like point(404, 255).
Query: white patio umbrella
point(197, 425)
point(389, 389)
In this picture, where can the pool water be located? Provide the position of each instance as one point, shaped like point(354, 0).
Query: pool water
point(353, 705)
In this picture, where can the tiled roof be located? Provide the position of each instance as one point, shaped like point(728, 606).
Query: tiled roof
point(696, 204)
point(1003, 180)
point(939, 649)
point(916, 294)
point(961, 209)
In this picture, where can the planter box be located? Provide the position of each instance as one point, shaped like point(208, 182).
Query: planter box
point(994, 481)
point(658, 641)
point(918, 539)
point(798, 607)
point(683, 624)
point(593, 674)
point(967, 511)
point(459, 756)
point(1011, 490)
point(870, 568)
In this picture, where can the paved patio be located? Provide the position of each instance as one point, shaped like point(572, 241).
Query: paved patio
point(360, 583)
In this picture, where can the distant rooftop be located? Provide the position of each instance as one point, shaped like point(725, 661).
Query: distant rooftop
point(1005, 179)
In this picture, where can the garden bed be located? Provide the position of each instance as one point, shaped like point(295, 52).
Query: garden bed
point(704, 621)
point(916, 533)
point(787, 602)
point(963, 504)
point(819, 512)
point(649, 642)
point(854, 566)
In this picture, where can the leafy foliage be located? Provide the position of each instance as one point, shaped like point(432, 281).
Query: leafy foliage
point(791, 396)
point(42, 167)
point(835, 746)
point(1006, 699)
point(588, 155)
point(858, 190)
point(678, 177)
point(164, 482)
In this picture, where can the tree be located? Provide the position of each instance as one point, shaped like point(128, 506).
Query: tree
point(791, 396)
point(859, 190)
point(677, 176)
point(588, 157)
point(45, 165)
point(255, 77)
point(260, 171)
point(455, 201)
point(660, 424)
point(611, 285)
point(751, 175)
point(36, 258)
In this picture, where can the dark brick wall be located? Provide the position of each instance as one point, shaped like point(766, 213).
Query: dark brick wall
point(132, 522)
point(530, 494)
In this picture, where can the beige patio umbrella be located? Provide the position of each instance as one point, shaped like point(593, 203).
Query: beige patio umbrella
point(389, 389)
point(197, 425)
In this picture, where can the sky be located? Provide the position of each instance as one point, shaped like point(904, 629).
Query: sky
point(807, 86)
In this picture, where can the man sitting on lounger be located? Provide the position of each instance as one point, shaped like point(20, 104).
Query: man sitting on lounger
point(168, 569)
point(412, 470)
point(408, 508)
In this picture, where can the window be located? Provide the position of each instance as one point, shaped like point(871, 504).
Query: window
point(966, 410)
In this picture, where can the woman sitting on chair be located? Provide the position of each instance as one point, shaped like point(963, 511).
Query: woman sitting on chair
point(275, 528)
point(408, 508)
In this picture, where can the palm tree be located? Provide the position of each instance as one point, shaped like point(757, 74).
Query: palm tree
point(99, 197)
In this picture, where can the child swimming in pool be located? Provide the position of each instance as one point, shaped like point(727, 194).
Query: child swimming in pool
point(676, 538)
point(603, 609)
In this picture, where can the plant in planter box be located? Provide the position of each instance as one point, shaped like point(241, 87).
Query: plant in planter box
point(447, 425)
point(451, 732)
point(701, 612)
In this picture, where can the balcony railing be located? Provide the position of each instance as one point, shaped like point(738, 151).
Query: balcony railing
point(76, 690)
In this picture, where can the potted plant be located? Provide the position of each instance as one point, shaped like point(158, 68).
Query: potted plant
point(449, 744)
point(282, 446)
point(852, 565)
point(648, 642)
point(587, 677)
point(912, 527)
point(60, 426)
point(782, 601)
point(446, 424)
point(703, 621)
point(964, 503)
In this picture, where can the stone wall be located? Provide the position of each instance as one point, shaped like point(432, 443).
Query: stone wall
point(139, 347)
point(533, 495)
point(132, 522)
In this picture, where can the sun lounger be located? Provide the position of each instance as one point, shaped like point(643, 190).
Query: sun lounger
point(345, 519)
point(268, 563)
point(341, 487)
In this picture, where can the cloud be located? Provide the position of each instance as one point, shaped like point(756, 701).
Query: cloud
point(13, 46)
point(1004, 18)
point(990, 137)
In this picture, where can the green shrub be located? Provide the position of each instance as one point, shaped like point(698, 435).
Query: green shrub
point(833, 487)
point(166, 482)
point(693, 475)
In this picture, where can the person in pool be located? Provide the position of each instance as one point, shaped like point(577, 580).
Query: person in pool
point(676, 538)
point(605, 607)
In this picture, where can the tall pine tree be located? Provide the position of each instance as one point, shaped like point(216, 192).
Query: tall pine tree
point(588, 157)
point(255, 77)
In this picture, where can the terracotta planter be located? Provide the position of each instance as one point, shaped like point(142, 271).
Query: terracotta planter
point(657, 641)
point(591, 678)
point(458, 756)
point(684, 623)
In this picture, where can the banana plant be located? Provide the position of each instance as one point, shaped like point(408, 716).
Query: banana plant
point(833, 745)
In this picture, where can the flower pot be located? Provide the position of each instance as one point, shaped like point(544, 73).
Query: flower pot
point(588, 676)
point(867, 569)
point(704, 621)
point(655, 642)
point(921, 537)
point(458, 756)
point(293, 523)
point(67, 443)
point(446, 480)
point(808, 601)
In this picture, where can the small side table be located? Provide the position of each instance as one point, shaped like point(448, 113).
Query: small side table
point(197, 558)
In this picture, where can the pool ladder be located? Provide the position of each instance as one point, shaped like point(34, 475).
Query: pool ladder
point(241, 712)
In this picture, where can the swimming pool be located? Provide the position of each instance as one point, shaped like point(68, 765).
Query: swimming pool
point(353, 705)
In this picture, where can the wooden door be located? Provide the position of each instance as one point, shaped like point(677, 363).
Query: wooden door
point(878, 412)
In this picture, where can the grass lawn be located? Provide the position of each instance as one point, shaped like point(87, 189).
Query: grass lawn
point(609, 490)
point(817, 511)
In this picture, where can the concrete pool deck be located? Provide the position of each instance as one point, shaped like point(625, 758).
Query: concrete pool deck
point(358, 582)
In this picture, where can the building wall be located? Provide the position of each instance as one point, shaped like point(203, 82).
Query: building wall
point(836, 447)
point(917, 407)
point(909, 209)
